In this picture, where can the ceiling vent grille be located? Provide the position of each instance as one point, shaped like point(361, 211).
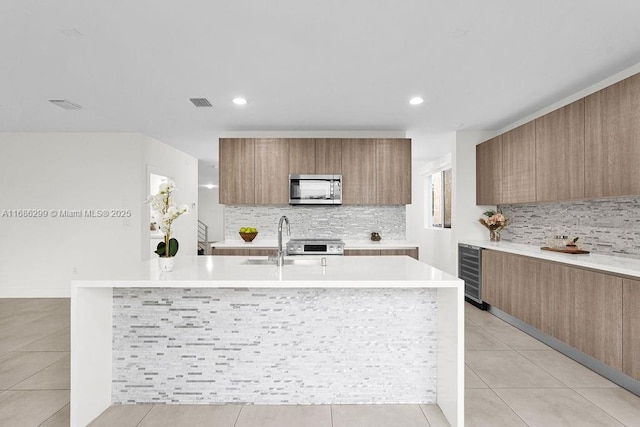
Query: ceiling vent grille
point(200, 102)
point(67, 105)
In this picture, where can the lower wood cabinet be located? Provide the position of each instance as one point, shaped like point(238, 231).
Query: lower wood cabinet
point(588, 313)
point(244, 252)
point(413, 253)
point(631, 328)
point(579, 307)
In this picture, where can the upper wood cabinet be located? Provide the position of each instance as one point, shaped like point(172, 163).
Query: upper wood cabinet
point(559, 151)
point(489, 172)
point(612, 140)
point(256, 171)
point(302, 156)
point(359, 172)
point(631, 328)
point(519, 164)
point(271, 171)
point(237, 171)
point(393, 171)
point(328, 156)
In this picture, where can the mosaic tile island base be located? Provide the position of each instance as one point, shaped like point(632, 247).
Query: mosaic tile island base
point(274, 346)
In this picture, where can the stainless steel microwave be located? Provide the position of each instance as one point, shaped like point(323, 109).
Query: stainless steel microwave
point(315, 189)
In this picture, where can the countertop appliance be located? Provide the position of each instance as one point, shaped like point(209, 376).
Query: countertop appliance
point(315, 247)
point(470, 270)
point(315, 189)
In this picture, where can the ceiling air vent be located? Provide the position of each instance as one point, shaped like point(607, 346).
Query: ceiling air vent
point(200, 102)
point(67, 105)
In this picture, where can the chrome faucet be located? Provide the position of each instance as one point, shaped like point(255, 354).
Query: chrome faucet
point(280, 256)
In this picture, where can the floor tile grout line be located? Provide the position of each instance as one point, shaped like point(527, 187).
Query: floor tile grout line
point(144, 416)
point(36, 373)
point(476, 374)
point(510, 408)
point(55, 413)
point(238, 416)
point(598, 406)
point(331, 413)
point(40, 339)
point(424, 415)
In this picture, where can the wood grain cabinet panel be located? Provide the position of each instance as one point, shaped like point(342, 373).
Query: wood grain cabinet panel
point(612, 140)
point(302, 156)
point(393, 171)
point(531, 283)
point(495, 289)
point(519, 164)
point(243, 252)
point(413, 253)
point(560, 154)
point(271, 171)
point(588, 313)
point(361, 252)
point(236, 158)
point(631, 328)
point(489, 172)
point(359, 172)
point(328, 156)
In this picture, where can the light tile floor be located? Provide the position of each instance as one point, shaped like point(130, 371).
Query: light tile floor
point(511, 380)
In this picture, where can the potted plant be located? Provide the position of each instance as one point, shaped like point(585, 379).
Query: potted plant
point(165, 213)
point(495, 222)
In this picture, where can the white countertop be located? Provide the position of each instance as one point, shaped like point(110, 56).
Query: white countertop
point(606, 263)
point(228, 272)
point(349, 244)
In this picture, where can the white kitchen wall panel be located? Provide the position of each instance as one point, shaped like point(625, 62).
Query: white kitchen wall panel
point(274, 346)
point(607, 226)
point(346, 222)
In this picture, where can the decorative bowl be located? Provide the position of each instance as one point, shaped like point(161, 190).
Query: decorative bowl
point(248, 237)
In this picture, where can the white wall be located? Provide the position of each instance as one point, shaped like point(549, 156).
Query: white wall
point(183, 169)
point(75, 171)
point(439, 247)
point(211, 212)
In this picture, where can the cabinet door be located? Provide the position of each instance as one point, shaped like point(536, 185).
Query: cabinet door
point(328, 156)
point(588, 313)
point(612, 140)
point(358, 172)
point(560, 154)
point(271, 172)
point(413, 253)
point(393, 171)
point(531, 283)
point(494, 287)
point(361, 252)
point(489, 172)
point(302, 156)
point(519, 164)
point(236, 158)
point(631, 328)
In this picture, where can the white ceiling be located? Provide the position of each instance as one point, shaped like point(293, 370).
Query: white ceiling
point(319, 65)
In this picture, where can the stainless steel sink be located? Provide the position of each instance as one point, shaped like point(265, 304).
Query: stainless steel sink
point(287, 261)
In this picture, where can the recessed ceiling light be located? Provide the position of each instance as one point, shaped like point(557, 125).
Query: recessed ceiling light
point(200, 102)
point(239, 101)
point(67, 105)
point(416, 100)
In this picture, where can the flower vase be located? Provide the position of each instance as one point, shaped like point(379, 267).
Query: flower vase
point(494, 235)
point(166, 263)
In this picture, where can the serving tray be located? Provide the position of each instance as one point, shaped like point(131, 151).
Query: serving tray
point(564, 251)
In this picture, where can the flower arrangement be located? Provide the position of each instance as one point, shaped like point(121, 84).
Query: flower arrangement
point(165, 214)
point(495, 222)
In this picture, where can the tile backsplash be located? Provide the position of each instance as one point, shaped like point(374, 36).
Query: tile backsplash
point(607, 226)
point(346, 222)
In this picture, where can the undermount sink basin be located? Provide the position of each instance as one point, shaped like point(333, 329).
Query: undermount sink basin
point(287, 261)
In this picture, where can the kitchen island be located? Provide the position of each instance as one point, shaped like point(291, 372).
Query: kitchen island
point(215, 330)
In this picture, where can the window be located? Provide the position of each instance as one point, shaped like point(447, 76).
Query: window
point(439, 199)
